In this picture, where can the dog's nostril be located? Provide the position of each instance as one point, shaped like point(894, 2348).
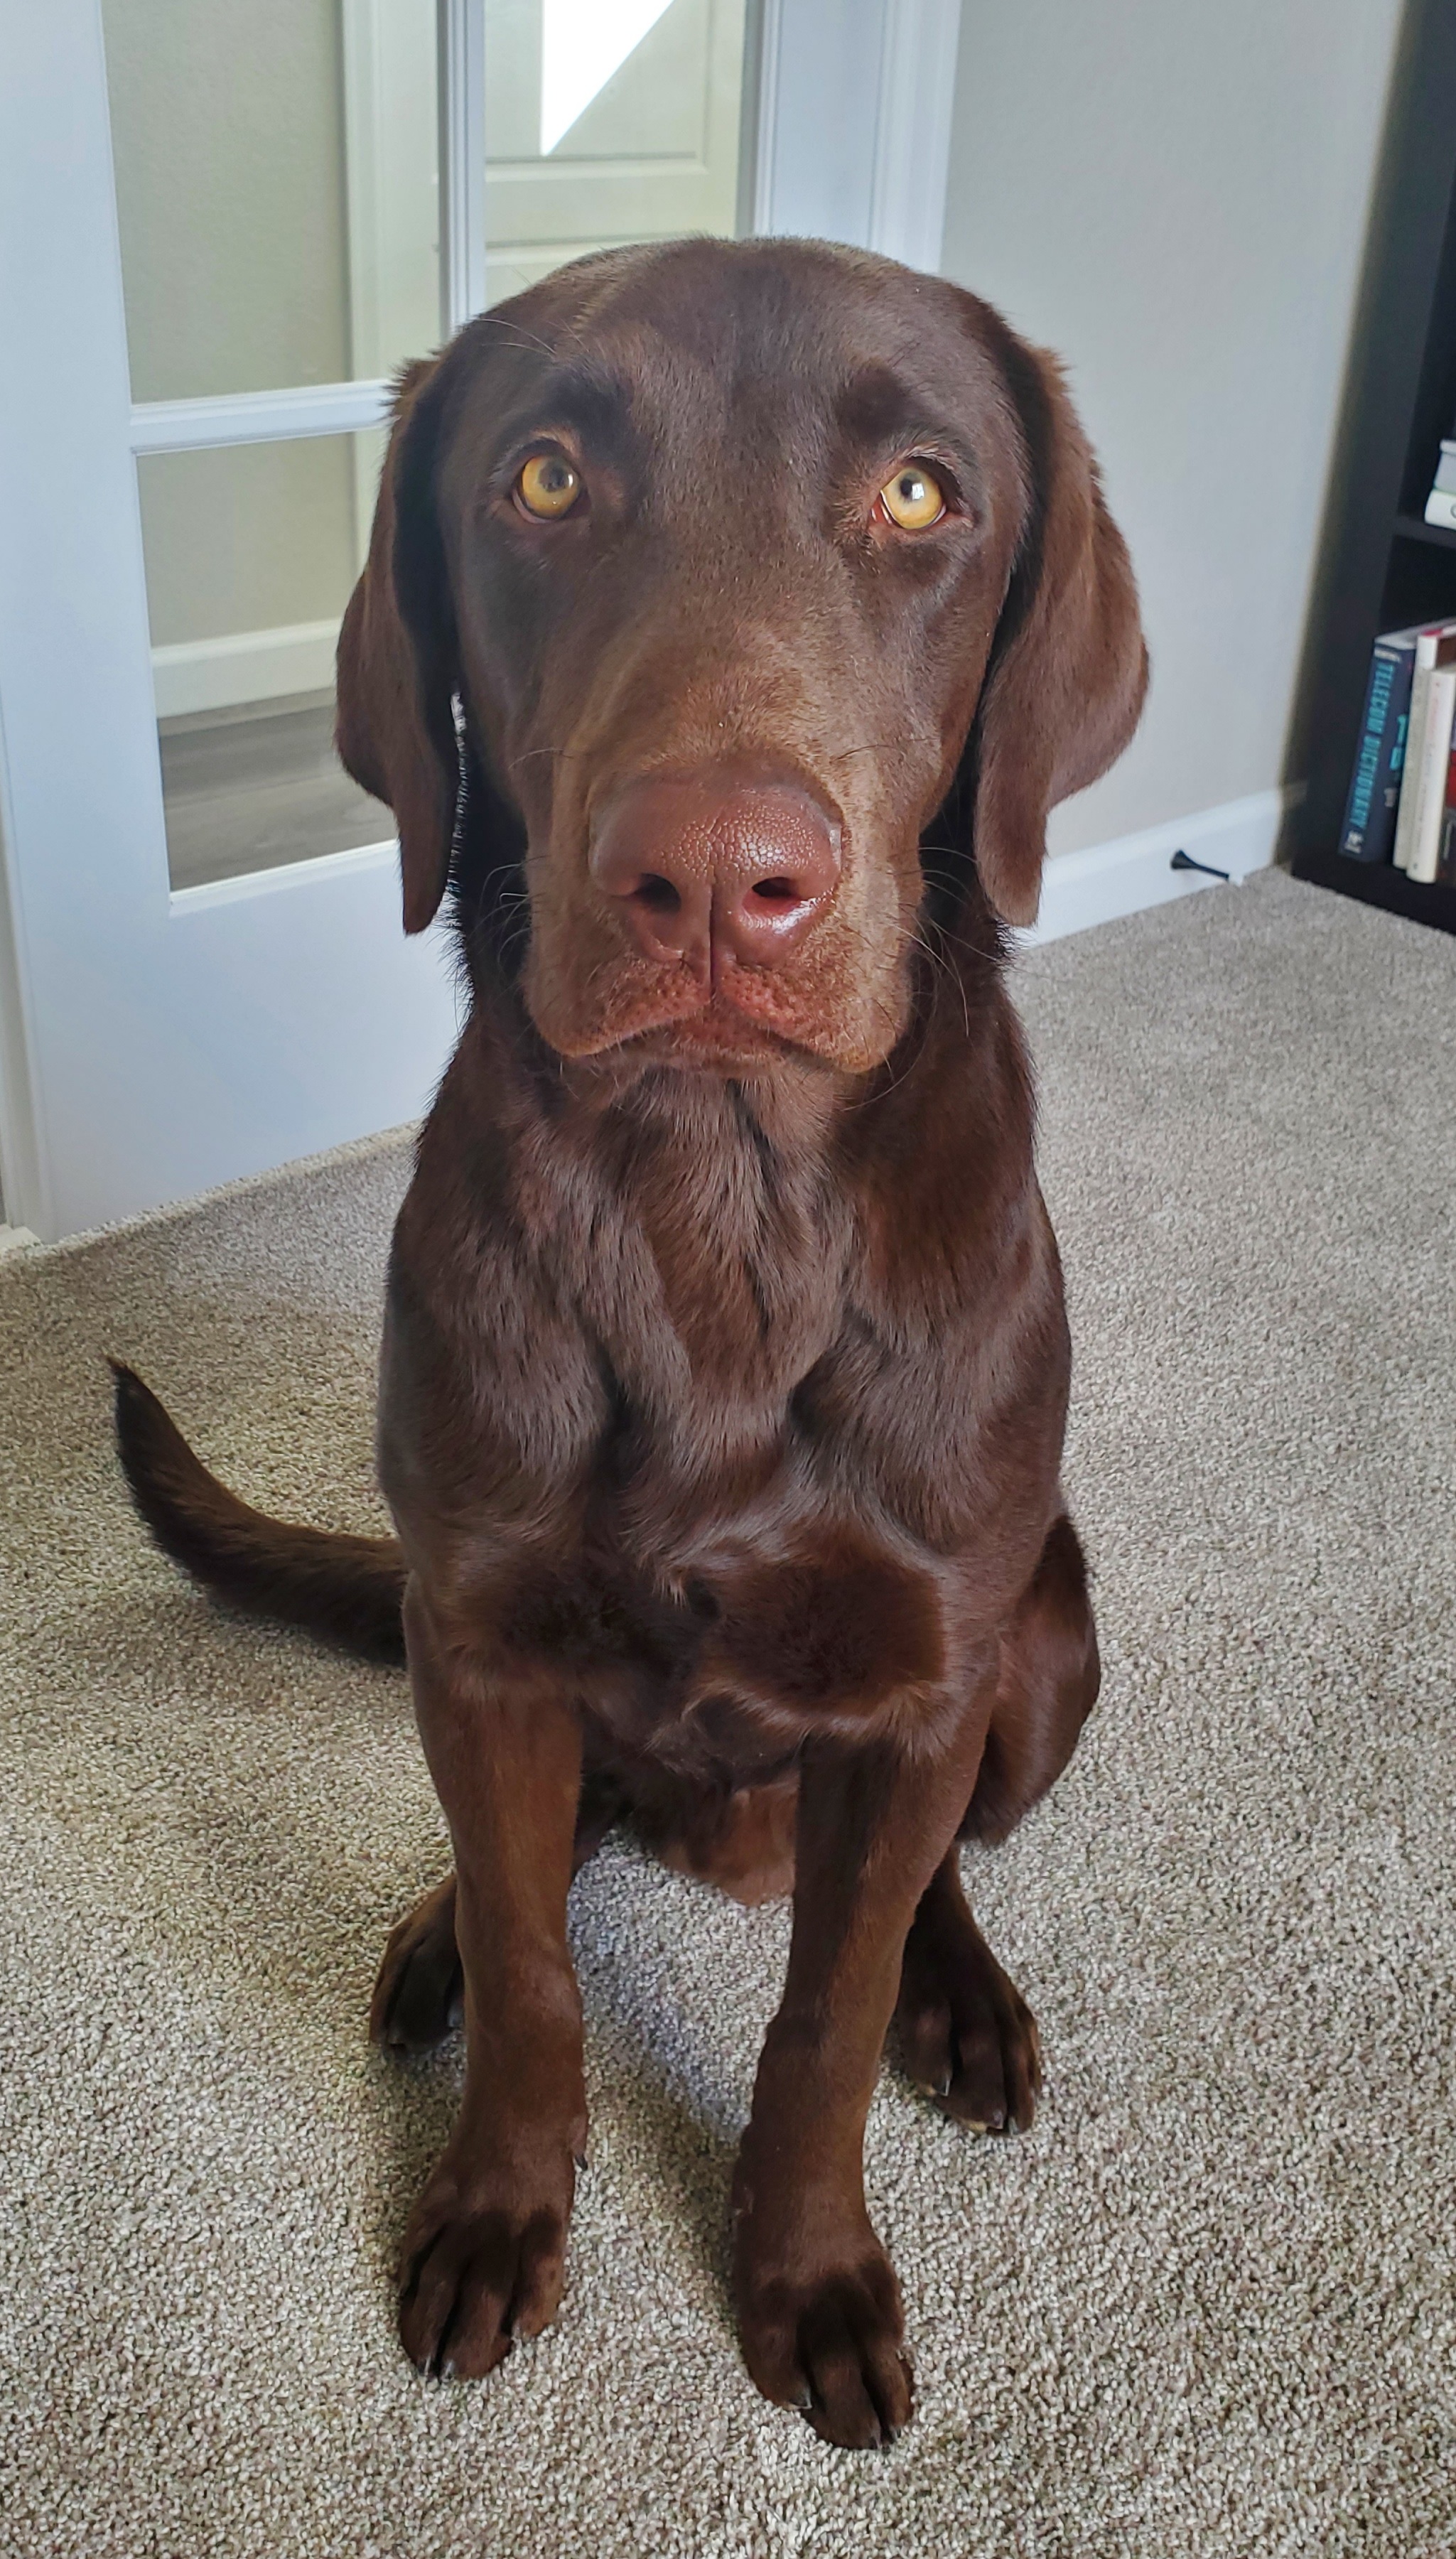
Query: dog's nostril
point(657, 894)
point(777, 892)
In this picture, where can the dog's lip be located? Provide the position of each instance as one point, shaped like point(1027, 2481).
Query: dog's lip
point(683, 1020)
point(714, 1036)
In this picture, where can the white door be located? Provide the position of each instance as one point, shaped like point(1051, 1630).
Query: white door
point(220, 230)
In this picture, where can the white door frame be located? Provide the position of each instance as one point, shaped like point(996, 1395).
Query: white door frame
point(286, 998)
point(843, 157)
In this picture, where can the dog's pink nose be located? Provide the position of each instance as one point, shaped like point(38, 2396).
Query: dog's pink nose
point(714, 870)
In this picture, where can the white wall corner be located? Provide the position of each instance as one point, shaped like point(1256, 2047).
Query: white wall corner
point(1105, 881)
point(912, 165)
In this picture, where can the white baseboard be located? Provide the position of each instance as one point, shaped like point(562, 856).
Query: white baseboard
point(244, 666)
point(1105, 881)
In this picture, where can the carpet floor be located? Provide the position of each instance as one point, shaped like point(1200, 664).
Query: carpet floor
point(1206, 2306)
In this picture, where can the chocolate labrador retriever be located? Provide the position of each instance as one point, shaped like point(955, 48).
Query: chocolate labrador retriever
point(733, 617)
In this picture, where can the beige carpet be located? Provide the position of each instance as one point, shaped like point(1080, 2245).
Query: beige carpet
point(1206, 2306)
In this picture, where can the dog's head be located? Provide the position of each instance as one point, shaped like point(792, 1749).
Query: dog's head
point(744, 561)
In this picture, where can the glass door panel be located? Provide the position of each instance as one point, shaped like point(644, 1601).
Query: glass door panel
point(278, 208)
point(277, 189)
point(611, 120)
point(251, 553)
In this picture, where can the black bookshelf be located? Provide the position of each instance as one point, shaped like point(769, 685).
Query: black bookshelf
point(1382, 567)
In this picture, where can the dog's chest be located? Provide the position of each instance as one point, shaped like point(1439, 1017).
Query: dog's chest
point(727, 1670)
point(703, 1463)
point(709, 1272)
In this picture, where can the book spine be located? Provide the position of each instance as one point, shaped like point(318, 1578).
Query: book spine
point(1374, 785)
point(1425, 658)
point(1381, 833)
point(1429, 781)
point(1446, 865)
point(1446, 851)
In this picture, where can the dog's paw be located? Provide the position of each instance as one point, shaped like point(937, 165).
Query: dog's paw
point(481, 2266)
point(967, 2034)
point(420, 1989)
point(829, 2343)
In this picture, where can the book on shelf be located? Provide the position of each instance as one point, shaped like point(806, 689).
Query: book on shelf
point(1428, 776)
point(1369, 830)
point(1435, 648)
point(1446, 861)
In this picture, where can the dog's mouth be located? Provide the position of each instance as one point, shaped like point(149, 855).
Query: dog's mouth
point(713, 1037)
point(716, 1040)
point(751, 1019)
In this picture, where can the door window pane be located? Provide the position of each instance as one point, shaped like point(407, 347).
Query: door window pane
point(610, 120)
point(251, 551)
point(277, 190)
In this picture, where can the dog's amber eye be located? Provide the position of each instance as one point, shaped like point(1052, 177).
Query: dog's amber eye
point(547, 485)
point(914, 499)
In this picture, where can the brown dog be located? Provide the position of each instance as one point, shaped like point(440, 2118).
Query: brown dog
point(733, 618)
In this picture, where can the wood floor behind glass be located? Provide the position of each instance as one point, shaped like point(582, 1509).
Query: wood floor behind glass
point(250, 788)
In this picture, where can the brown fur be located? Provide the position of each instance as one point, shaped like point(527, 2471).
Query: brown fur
point(725, 1367)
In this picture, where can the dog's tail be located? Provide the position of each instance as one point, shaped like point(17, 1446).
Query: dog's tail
point(347, 1589)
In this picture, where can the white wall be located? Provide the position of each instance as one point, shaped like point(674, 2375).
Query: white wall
point(1172, 194)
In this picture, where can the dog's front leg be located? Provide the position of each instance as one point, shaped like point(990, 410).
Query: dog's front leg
point(817, 2300)
point(483, 2256)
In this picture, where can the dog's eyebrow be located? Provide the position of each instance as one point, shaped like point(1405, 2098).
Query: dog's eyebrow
point(876, 411)
point(589, 397)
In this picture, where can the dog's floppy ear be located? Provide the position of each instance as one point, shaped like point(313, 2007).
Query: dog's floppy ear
point(1067, 668)
point(397, 658)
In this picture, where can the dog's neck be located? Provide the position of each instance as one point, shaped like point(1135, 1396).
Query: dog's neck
point(771, 1181)
point(680, 1259)
point(695, 1221)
